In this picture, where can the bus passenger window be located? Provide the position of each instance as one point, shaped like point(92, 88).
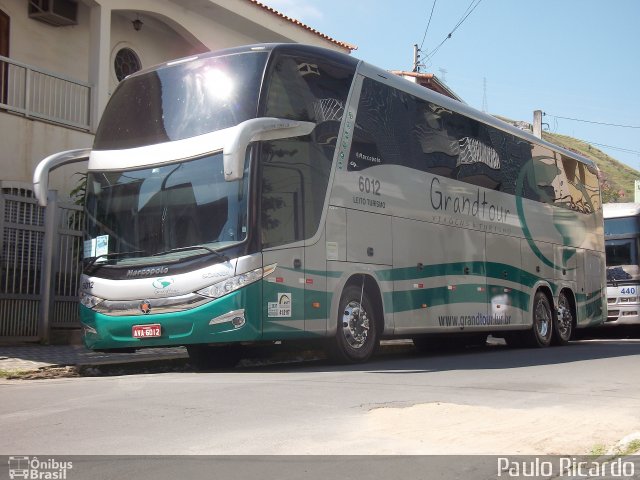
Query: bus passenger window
point(438, 150)
point(295, 171)
point(308, 89)
point(383, 128)
point(295, 174)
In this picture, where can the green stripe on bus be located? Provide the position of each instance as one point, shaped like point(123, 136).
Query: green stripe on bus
point(317, 273)
point(500, 271)
point(406, 300)
point(427, 271)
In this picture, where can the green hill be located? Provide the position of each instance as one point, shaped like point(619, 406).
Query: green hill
point(616, 178)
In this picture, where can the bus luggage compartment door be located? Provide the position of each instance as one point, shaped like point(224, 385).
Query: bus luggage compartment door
point(369, 238)
point(507, 297)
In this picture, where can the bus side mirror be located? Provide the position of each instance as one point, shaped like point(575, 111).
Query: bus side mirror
point(255, 129)
point(41, 173)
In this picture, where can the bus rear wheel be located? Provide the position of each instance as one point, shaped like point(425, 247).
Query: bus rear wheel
point(542, 330)
point(206, 357)
point(357, 333)
point(563, 322)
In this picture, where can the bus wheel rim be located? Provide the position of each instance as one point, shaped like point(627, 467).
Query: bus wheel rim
point(564, 316)
point(355, 325)
point(543, 319)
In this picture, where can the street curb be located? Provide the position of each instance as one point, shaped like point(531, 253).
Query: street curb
point(158, 363)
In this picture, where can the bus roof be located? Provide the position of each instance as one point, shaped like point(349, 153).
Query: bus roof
point(617, 210)
point(292, 48)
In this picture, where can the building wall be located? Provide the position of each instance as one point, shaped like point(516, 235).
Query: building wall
point(155, 43)
point(25, 142)
point(63, 50)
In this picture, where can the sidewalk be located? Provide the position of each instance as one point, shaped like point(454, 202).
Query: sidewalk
point(32, 357)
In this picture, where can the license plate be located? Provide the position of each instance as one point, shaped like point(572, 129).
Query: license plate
point(146, 331)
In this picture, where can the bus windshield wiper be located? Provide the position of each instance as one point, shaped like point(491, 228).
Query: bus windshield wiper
point(93, 260)
point(193, 247)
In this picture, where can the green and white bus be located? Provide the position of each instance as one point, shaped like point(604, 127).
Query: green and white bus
point(285, 192)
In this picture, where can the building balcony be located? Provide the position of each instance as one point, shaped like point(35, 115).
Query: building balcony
point(38, 94)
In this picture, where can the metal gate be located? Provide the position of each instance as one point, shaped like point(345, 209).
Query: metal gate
point(40, 255)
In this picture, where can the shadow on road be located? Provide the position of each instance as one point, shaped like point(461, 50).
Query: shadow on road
point(408, 360)
point(398, 358)
point(502, 357)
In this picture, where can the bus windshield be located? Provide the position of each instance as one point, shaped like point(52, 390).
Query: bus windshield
point(621, 247)
point(182, 100)
point(621, 252)
point(148, 215)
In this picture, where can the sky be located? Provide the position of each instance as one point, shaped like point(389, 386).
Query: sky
point(577, 59)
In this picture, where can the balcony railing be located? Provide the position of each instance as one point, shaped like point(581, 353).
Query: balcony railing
point(36, 93)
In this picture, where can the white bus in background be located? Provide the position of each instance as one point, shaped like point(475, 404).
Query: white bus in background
point(286, 192)
point(622, 242)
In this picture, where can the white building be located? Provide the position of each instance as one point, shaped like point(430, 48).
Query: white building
point(59, 62)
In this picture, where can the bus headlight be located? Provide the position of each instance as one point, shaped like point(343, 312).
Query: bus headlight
point(232, 284)
point(89, 301)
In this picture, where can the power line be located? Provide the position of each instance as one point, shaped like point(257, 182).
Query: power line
point(465, 15)
point(469, 10)
point(620, 149)
point(614, 148)
point(428, 23)
point(592, 121)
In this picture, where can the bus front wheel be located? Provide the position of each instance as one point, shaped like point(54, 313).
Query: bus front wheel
point(357, 332)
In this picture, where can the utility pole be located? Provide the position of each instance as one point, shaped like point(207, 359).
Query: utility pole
point(537, 123)
point(416, 58)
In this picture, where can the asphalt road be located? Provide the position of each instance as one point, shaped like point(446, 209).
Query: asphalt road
point(386, 406)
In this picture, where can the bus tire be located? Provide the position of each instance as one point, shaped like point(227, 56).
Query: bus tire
point(205, 357)
point(357, 331)
point(542, 330)
point(563, 321)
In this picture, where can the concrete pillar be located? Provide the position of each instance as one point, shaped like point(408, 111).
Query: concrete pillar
point(537, 123)
point(49, 262)
point(99, 60)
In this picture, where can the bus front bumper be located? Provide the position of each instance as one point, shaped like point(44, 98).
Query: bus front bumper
point(232, 318)
point(623, 315)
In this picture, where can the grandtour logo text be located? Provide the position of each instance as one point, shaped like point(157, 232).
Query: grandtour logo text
point(146, 272)
point(475, 205)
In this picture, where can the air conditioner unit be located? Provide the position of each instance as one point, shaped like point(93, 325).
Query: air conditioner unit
point(58, 13)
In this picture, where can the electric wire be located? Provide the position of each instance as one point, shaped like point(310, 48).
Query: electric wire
point(428, 23)
point(593, 121)
point(465, 15)
point(626, 150)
